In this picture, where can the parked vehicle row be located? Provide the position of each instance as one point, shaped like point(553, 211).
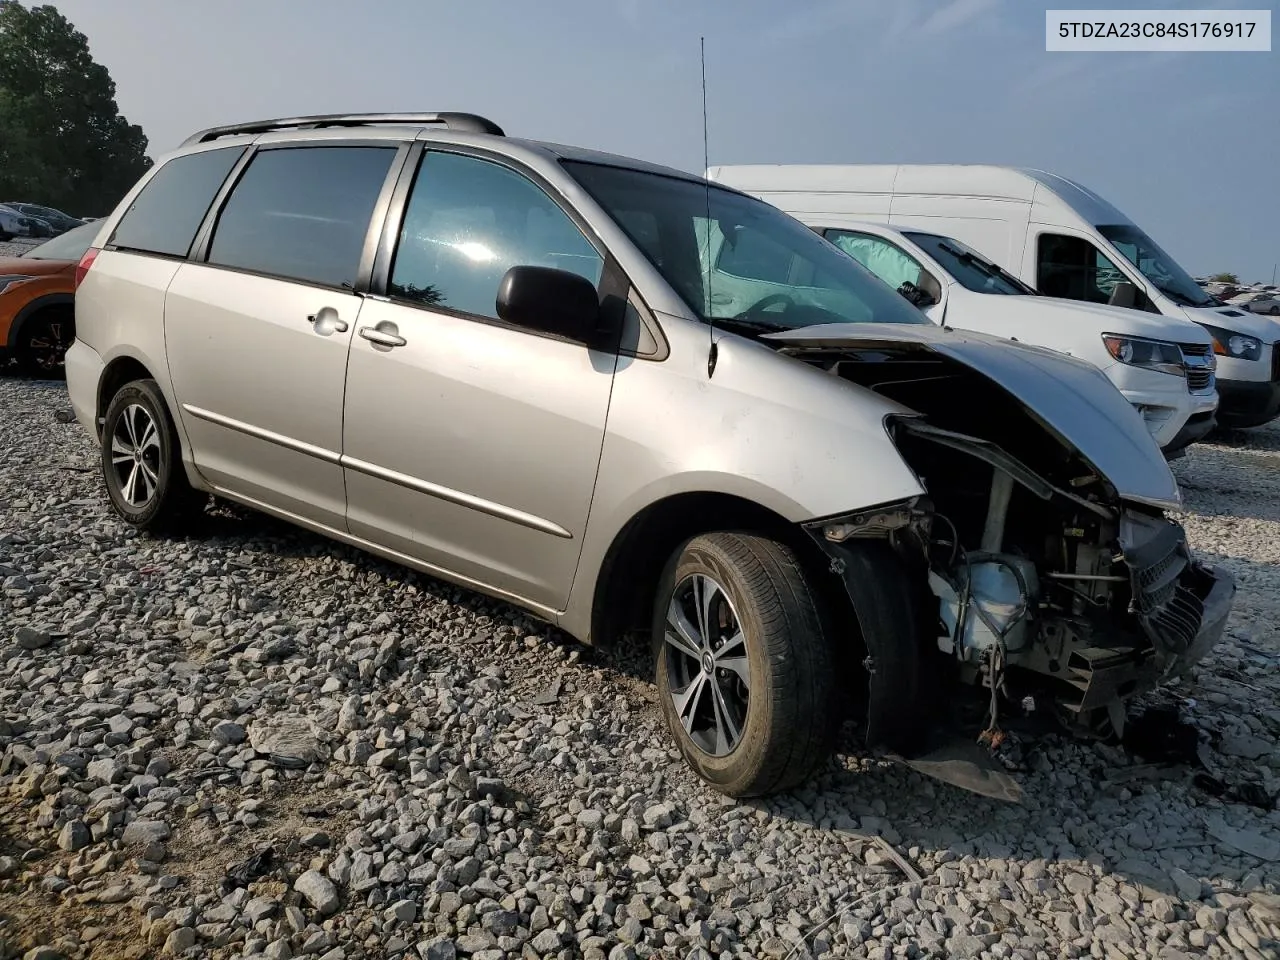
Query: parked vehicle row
point(633, 401)
point(14, 223)
point(1268, 303)
point(1051, 233)
point(34, 220)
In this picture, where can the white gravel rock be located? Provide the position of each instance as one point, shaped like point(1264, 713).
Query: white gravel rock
point(436, 773)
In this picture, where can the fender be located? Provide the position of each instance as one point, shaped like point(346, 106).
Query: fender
point(48, 300)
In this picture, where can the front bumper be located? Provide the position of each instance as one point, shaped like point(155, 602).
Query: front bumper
point(1164, 402)
point(1248, 403)
point(1196, 428)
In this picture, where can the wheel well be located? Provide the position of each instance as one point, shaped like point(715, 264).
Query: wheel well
point(624, 594)
point(120, 371)
point(55, 303)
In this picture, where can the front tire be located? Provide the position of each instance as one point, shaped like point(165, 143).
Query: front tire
point(744, 664)
point(142, 462)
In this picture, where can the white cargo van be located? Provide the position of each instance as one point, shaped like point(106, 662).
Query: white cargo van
point(1053, 234)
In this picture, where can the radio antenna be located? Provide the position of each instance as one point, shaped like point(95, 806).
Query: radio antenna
point(706, 169)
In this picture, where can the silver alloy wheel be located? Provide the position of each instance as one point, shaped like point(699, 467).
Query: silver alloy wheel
point(135, 455)
point(706, 661)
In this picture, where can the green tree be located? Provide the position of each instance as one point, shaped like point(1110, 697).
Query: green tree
point(63, 142)
point(1225, 278)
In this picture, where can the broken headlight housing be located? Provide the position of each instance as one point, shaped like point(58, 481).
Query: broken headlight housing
point(1156, 355)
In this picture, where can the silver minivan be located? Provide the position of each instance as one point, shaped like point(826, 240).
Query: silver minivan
point(634, 403)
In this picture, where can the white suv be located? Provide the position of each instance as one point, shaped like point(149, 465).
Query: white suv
point(629, 400)
point(1164, 366)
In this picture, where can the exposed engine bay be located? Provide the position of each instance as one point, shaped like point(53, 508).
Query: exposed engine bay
point(1041, 583)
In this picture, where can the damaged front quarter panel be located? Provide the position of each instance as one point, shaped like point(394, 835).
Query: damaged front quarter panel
point(1050, 589)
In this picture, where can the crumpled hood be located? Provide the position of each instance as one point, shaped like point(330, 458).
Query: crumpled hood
point(1074, 400)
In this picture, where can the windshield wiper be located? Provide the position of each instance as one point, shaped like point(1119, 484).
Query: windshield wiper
point(990, 269)
point(1180, 298)
point(751, 328)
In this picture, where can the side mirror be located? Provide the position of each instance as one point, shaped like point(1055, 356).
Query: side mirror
point(1125, 294)
point(550, 301)
point(915, 295)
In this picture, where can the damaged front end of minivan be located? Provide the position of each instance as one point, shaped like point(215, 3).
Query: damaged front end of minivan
point(1040, 562)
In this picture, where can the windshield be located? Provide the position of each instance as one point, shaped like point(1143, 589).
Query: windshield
point(971, 269)
point(70, 246)
point(766, 271)
point(1156, 265)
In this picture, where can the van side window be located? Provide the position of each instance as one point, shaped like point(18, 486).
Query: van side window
point(887, 261)
point(164, 217)
point(302, 213)
point(1074, 269)
point(468, 221)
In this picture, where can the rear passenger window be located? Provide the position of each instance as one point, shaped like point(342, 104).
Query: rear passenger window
point(468, 222)
point(165, 216)
point(302, 213)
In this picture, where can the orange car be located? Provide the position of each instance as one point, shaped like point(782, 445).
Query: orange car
point(37, 301)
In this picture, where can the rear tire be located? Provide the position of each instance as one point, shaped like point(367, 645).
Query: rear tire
point(752, 712)
point(142, 462)
point(43, 342)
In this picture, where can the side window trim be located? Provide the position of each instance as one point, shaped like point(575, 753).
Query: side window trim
point(400, 203)
point(614, 287)
point(204, 236)
point(199, 252)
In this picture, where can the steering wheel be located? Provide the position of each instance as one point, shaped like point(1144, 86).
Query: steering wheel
point(764, 304)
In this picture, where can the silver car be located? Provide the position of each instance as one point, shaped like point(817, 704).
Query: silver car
point(634, 403)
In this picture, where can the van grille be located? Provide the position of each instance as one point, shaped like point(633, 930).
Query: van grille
point(1275, 360)
point(1197, 361)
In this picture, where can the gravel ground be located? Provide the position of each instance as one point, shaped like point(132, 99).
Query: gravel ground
point(259, 743)
point(17, 247)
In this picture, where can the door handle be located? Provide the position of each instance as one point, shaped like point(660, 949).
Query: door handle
point(383, 338)
point(327, 322)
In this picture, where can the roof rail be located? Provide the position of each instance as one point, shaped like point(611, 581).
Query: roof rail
point(465, 122)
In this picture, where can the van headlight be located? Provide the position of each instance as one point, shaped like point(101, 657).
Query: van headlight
point(1238, 346)
point(1149, 354)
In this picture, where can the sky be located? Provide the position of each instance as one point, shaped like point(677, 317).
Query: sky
point(1186, 144)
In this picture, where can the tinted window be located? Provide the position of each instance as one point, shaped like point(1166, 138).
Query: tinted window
point(748, 265)
point(165, 216)
point(468, 221)
point(302, 213)
point(1074, 269)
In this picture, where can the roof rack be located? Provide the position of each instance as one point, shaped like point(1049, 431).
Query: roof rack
point(465, 122)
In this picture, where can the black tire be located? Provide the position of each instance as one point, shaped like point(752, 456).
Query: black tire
point(790, 720)
point(43, 341)
point(150, 491)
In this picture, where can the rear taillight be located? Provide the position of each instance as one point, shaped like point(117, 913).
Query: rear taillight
point(83, 266)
